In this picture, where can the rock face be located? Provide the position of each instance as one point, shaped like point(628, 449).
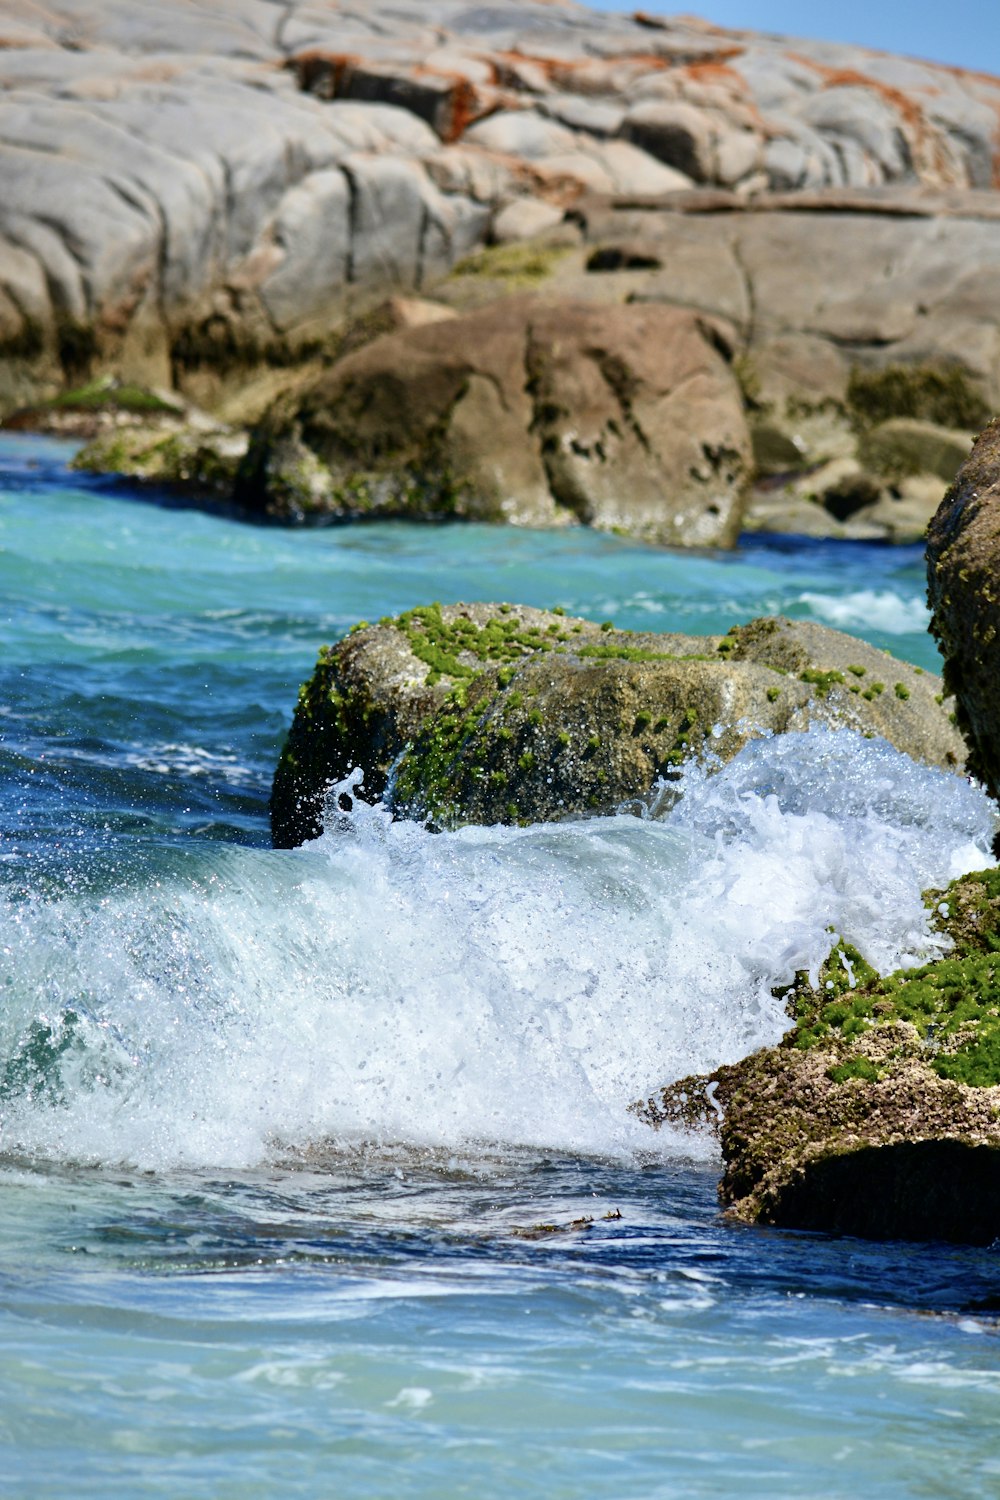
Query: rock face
point(879, 1113)
point(490, 713)
point(963, 575)
point(187, 192)
point(528, 411)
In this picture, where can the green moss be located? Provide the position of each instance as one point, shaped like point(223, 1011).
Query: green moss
point(822, 681)
point(952, 1004)
point(773, 694)
point(109, 395)
point(873, 691)
point(625, 653)
point(902, 691)
point(855, 1067)
point(942, 394)
point(524, 264)
point(857, 671)
point(443, 644)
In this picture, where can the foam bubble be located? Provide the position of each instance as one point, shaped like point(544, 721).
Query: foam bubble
point(866, 610)
point(493, 984)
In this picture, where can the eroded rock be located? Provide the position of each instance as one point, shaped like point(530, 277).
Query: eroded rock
point(531, 412)
point(963, 576)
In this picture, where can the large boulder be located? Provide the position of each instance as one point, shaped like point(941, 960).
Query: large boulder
point(879, 1113)
point(491, 713)
point(527, 411)
point(963, 576)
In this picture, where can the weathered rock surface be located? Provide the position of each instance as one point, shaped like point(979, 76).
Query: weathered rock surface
point(186, 193)
point(963, 574)
point(528, 411)
point(879, 1113)
point(490, 713)
point(819, 285)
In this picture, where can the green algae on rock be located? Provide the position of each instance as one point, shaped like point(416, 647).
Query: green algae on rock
point(489, 713)
point(879, 1112)
point(199, 457)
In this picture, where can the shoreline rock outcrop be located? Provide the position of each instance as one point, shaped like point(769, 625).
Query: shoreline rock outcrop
point(490, 713)
point(879, 1113)
point(189, 197)
point(963, 579)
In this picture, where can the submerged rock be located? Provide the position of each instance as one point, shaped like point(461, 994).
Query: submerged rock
point(490, 713)
point(531, 412)
point(879, 1113)
point(963, 575)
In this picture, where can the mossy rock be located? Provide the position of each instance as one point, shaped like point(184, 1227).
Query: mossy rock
point(199, 459)
point(906, 445)
point(963, 565)
point(100, 405)
point(879, 1112)
point(490, 713)
point(942, 394)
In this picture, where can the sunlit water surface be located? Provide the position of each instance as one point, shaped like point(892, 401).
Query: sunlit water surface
point(317, 1172)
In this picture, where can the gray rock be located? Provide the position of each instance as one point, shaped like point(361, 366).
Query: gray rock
point(155, 177)
point(524, 219)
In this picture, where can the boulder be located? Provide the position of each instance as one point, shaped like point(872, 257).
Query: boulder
point(879, 1113)
point(905, 446)
point(531, 412)
point(489, 713)
point(963, 569)
point(200, 459)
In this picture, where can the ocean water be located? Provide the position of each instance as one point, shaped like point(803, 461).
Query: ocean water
point(317, 1173)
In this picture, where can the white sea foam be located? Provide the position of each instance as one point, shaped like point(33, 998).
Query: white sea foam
point(866, 610)
point(512, 985)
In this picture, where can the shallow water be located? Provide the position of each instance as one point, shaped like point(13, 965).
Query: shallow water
point(280, 1131)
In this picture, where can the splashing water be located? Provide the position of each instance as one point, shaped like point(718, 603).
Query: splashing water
point(493, 984)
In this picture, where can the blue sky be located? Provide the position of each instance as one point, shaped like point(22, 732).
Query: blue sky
point(964, 32)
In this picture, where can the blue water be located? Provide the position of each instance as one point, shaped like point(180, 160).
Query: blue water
point(311, 1163)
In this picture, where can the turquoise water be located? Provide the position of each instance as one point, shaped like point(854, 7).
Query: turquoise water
point(279, 1130)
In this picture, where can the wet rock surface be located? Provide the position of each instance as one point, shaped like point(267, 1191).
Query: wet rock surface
point(489, 713)
point(879, 1113)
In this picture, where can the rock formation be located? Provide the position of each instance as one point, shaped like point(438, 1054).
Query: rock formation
point(189, 196)
point(490, 713)
point(963, 575)
point(532, 411)
point(879, 1113)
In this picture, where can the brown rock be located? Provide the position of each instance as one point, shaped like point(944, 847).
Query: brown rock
point(963, 575)
point(621, 417)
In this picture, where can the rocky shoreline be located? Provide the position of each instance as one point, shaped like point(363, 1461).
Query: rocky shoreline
point(534, 265)
point(218, 208)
